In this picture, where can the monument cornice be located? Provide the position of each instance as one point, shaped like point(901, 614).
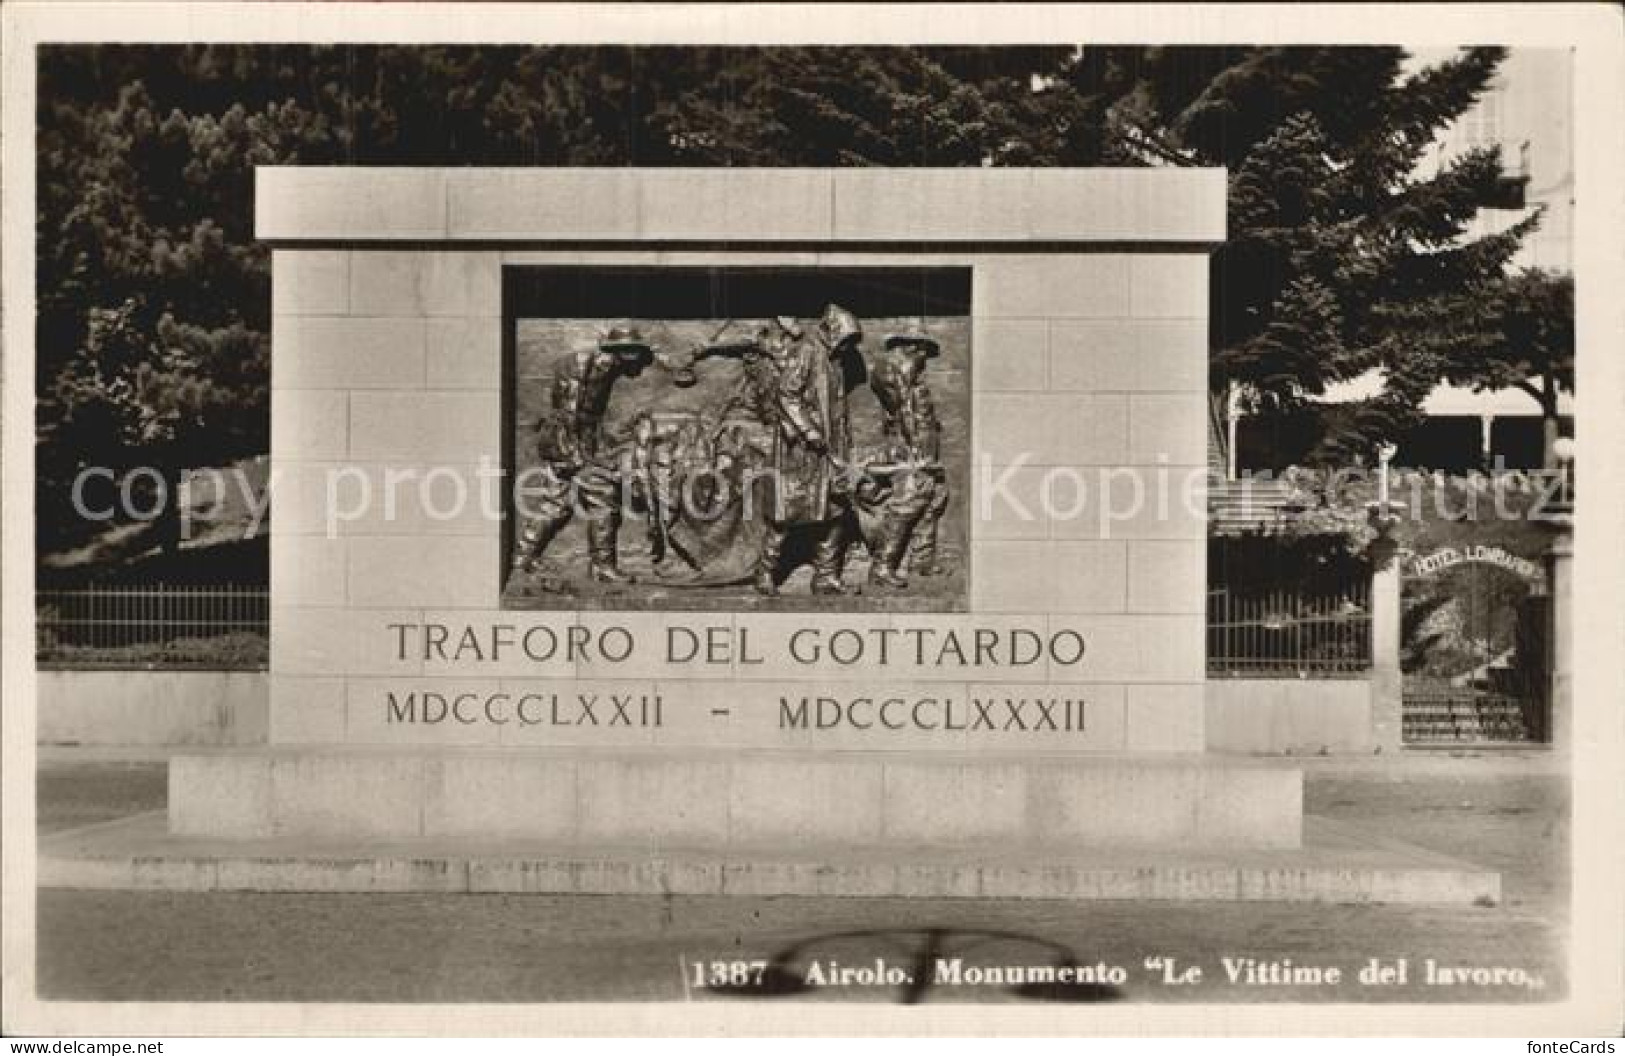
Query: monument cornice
point(1036, 210)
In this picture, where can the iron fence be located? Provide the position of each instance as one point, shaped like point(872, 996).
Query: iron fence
point(157, 625)
point(1437, 712)
point(1285, 633)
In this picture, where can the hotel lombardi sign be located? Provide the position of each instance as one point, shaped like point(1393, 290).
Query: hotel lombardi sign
point(1450, 556)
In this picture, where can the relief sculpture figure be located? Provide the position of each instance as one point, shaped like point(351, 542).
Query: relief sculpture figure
point(722, 484)
point(906, 491)
point(811, 452)
point(578, 463)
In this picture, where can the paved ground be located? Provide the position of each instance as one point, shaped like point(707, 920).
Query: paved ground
point(1504, 812)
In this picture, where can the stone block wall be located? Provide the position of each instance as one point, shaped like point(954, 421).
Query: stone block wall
point(1290, 716)
point(152, 709)
point(1089, 305)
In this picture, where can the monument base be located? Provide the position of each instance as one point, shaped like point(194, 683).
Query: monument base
point(1034, 805)
point(693, 822)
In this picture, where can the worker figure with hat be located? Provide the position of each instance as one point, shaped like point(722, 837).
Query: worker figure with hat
point(812, 446)
point(913, 509)
point(759, 356)
point(577, 464)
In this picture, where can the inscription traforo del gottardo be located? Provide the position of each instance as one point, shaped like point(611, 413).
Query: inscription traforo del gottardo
point(714, 644)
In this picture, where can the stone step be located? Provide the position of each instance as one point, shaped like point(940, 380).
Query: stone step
point(1338, 863)
point(719, 799)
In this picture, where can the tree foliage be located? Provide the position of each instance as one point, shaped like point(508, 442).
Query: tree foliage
point(1526, 343)
point(1344, 255)
point(154, 303)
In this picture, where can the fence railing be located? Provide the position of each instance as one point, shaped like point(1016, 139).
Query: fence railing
point(158, 625)
point(1436, 712)
point(1289, 634)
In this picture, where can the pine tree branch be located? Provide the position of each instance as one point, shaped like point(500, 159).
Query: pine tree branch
point(1524, 386)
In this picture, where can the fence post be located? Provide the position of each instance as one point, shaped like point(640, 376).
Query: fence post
point(1387, 681)
point(1560, 635)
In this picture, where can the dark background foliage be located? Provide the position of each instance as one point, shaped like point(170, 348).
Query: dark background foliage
point(154, 302)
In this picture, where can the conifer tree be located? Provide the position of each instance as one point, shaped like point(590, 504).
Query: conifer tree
point(1345, 252)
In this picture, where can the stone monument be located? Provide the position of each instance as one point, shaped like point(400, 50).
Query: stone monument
point(963, 646)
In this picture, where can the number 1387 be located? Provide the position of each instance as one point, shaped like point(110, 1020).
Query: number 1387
point(727, 973)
